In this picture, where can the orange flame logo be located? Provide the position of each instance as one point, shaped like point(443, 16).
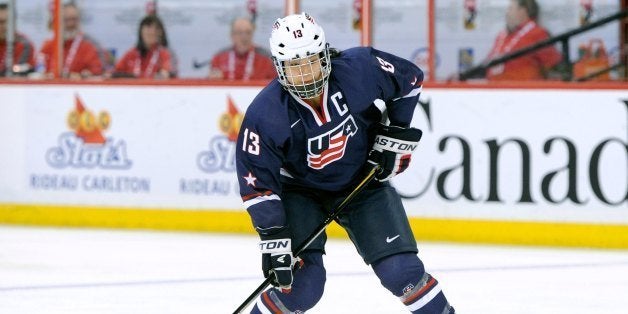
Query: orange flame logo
point(86, 125)
point(231, 120)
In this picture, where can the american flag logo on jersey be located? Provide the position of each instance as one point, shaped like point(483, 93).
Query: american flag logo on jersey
point(329, 147)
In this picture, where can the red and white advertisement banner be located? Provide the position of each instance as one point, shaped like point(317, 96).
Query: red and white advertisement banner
point(550, 155)
point(121, 146)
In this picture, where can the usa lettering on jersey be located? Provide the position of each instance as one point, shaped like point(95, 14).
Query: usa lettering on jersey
point(329, 147)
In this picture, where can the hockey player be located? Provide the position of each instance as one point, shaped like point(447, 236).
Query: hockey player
point(305, 143)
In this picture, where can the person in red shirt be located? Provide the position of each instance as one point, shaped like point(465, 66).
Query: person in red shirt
point(243, 60)
point(23, 49)
point(522, 31)
point(82, 56)
point(150, 58)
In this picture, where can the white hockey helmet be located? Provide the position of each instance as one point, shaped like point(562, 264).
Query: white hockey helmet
point(300, 54)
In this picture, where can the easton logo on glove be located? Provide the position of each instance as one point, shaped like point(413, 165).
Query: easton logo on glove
point(391, 144)
point(278, 261)
point(274, 246)
point(393, 149)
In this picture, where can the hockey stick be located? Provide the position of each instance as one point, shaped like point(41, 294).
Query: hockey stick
point(312, 236)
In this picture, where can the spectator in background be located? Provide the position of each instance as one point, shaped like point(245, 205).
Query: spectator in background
point(243, 60)
point(522, 31)
point(23, 49)
point(151, 57)
point(82, 56)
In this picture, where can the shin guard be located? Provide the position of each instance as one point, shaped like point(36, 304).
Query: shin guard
point(404, 276)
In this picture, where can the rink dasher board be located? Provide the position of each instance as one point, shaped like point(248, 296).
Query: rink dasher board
point(530, 166)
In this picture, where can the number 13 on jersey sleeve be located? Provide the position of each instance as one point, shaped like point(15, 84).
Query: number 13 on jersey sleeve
point(250, 142)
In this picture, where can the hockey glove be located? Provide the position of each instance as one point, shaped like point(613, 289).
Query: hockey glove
point(393, 149)
point(277, 260)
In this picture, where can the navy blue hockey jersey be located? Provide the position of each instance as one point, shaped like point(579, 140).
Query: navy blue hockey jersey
point(283, 140)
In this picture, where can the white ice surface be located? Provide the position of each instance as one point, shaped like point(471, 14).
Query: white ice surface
point(47, 270)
